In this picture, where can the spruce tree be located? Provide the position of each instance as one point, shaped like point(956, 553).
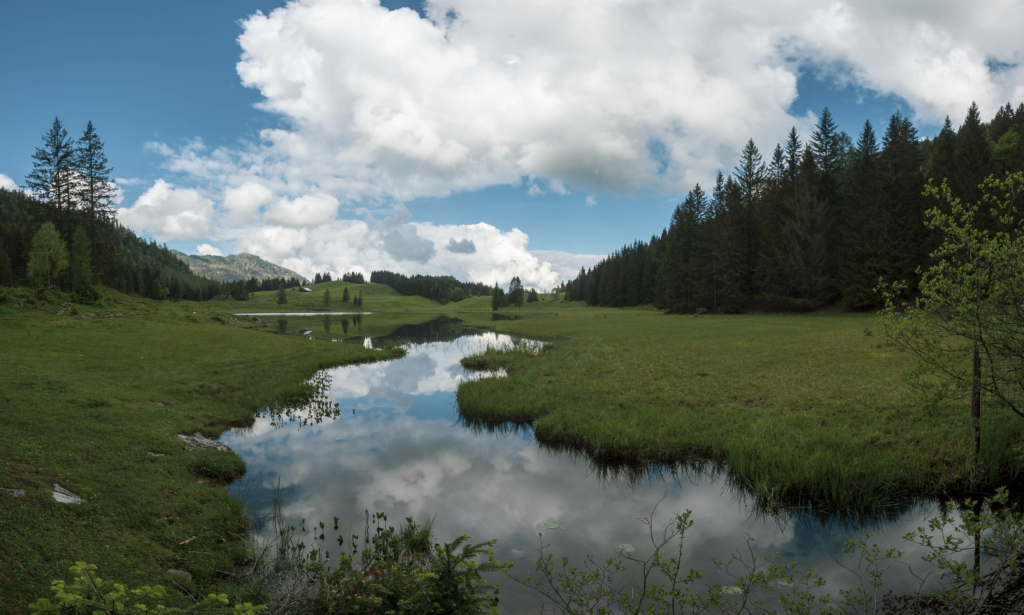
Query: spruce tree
point(793, 153)
point(282, 297)
point(943, 160)
point(902, 186)
point(327, 298)
point(865, 231)
point(51, 176)
point(344, 295)
point(93, 188)
point(973, 157)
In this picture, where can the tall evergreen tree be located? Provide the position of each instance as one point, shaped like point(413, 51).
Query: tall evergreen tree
point(973, 157)
point(865, 227)
point(902, 186)
point(793, 153)
point(943, 159)
point(92, 185)
point(51, 176)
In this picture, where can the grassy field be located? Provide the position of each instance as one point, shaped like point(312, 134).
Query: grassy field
point(87, 400)
point(811, 406)
point(799, 406)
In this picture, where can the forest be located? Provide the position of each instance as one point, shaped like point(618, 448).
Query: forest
point(818, 223)
point(437, 288)
point(72, 191)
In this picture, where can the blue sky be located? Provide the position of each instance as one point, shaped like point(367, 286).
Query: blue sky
point(147, 72)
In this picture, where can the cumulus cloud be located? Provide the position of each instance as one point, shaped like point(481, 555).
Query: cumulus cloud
point(404, 244)
point(206, 249)
point(410, 248)
point(464, 246)
point(244, 202)
point(168, 212)
point(590, 202)
point(7, 183)
point(380, 107)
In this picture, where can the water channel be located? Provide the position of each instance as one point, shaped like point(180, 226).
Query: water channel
point(399, 446)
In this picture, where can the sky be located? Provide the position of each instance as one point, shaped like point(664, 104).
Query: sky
point(462, 137)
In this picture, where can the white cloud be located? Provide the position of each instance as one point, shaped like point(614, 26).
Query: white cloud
point(307, 210)
point(244, 202)
point(168, 213)
point(590, 202)
point(380, 107)
point(7, 183)
point(366, 245)
point(206, 249)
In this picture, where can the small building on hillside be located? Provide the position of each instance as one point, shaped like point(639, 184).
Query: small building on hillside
point(303, 289)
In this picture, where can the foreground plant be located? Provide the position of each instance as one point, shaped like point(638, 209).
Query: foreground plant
point(88, 593)
point(973, 566)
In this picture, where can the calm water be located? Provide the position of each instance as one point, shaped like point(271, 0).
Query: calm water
point(399, 447)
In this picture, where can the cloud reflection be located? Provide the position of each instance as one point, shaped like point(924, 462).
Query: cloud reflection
point(403, 451)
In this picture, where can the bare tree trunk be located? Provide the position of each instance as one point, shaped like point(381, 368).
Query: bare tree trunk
point(976, 403)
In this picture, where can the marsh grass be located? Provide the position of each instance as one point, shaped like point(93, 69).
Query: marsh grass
point(94, 402)
point(801, 408)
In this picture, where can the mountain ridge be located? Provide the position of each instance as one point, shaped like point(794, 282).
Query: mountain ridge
point(235, 267)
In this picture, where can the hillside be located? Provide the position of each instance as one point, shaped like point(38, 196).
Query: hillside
point(235, 267)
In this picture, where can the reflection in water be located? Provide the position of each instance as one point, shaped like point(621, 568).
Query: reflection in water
point(387, 437)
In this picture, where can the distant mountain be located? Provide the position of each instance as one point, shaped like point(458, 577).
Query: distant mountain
point(235, 267)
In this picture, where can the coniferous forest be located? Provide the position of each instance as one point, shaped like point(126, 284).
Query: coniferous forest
point(812, 223)
point(438, 288)
point(72, 190)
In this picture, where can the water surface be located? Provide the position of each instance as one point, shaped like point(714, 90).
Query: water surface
point(397, 445)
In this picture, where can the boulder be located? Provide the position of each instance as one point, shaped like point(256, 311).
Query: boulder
point(64, 496)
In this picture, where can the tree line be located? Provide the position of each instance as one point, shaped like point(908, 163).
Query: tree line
point(437, 288)
point(68, 222)
point(817, 223)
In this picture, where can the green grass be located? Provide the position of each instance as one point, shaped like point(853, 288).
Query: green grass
point(85, 400)
point(798, 406)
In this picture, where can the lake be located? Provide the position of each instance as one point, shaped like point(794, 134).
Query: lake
point(396, 444)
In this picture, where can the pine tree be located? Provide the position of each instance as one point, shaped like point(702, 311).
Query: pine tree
point(344, 295)
point(282, 297)
point(793, 154)
point(903, 206)
point(93, 188)
point(973, 158)
point(943, 160)
point(864, 233)
point(51, 176)
point(327, 298)
point(317, 279)
point(497, 298)
point(515, 292)
point(49, 255)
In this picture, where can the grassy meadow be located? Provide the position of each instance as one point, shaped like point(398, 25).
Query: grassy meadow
point(810, 406)
point(800, 407)
point(87, 400)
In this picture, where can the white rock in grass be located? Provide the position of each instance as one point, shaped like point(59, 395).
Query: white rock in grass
point(198, 440)
point(17, 493)
point(64, 496)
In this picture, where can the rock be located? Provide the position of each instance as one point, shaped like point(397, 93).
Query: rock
point(179, 573)
point(17, 493)
point(152, 454)
point(198, 440)
point(64, 496)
